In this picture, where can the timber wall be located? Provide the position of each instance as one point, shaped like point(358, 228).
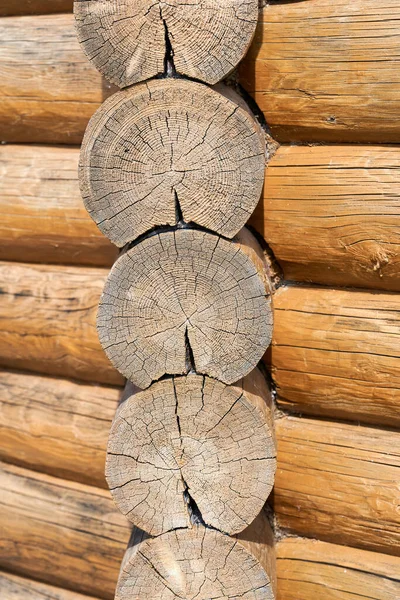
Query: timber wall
point(330, 215)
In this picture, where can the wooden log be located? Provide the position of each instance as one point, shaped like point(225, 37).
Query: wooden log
point(338, 482)
point(48, 321)
point(19, 588)
point(34, 7)
point(190, 444)
point(312, 569)
point(48, 89)
point(43, 218)
point(66, 534)
point(308, 72)
point(336, 353)
point(55, 425)
point(187, 299)
point(129, 42)
point(330, 214)
point(200, 563)
point(171, 150)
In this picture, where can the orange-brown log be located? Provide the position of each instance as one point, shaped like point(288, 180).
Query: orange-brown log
point(313, 569)
point(34, 7)
point(48, 89)
point(43, 217)
point(338, 482)
point(20, 588)
point(56, 425)
point(327, 71)
point(331, 214)
point(48, 321)
point(63, 533)
point(336, 353)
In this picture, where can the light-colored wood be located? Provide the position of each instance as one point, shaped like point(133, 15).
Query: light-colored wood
point(199, 563)
point(338, 482)
point(66, 534)
point(48, 89)
point(192, 444)
point(310, 569)
point(132, 41)
point(187, 299)
point(327, 71)
point(48, 321)
point(171, 150)
point(42, 214)
point(337, 353)
point(55, 425)
point(331, 214)
point(18, 588)
point(34, 7)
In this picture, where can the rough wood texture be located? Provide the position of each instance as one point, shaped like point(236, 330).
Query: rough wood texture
point(336, 353)
point(132, 41)
point(47, 321)
point(169, 150)
point(339, 482)
point(311, 569)
point(55, 425)
point(48, 89)
point(64, 533)
point(327, 71)
point(183, 299)
point(331, 214)
point(200, 563)
point(34, 7)
point(19, 588)
point(193, 441)
point(43, 217)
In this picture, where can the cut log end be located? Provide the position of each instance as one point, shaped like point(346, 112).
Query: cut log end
point(191, 447)
point(193, 563)
point(169, 150)
point(133, 41)
point(186, 300)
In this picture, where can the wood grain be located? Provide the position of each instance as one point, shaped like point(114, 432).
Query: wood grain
point(55, 425)
point(336, 353)
point(47, 321)
point(49, 90)
point(20, 588)
point(34, 7)
point(43, 217)
point(327, 71)
point(66, 534)
point(312, 569)
point(331, 214)
point(338, 482)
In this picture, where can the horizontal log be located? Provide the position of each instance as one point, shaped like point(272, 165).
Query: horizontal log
point(55, 425)
point(338, 482)
point(48, 321)
point(48, 89)
point(336, 353)
point(312, 569)
point(34, 7)
point(63, 533)
point(20, 588)
point(43, 217)
point(308, 71)
point(331, 214)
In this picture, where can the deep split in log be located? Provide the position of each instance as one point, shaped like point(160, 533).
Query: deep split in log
point(168, 149)
point(200, 563)
point(192, 446)
point(132, 41)
point(187, 300)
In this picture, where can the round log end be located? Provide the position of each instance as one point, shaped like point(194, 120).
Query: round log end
point(185, 300)
point(191, 448)
point(131, 41)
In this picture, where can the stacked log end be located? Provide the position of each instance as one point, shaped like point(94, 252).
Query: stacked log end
point(170, 171)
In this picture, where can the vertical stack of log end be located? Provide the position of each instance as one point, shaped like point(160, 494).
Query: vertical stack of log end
point(172, 166)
